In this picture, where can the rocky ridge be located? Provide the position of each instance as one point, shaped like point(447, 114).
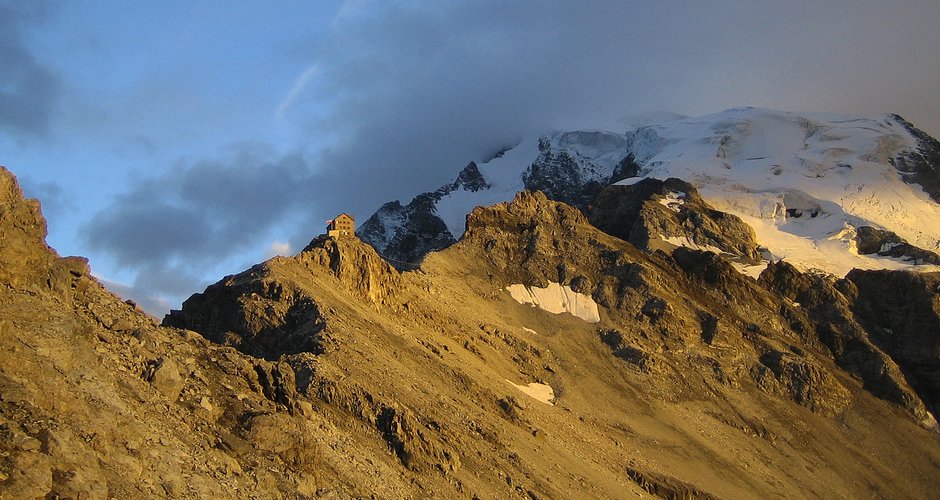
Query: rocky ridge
point(652, 213)
point(564, 168)
point(331, 373)
point(98, 401)
point(687, 350)
point(405, 234)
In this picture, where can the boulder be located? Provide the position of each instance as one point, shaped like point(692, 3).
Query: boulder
point(164, 375)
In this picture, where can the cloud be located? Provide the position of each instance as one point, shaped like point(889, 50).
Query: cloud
point(29, 91)
point(295, 90)
point(171, 229)
point(280, 248)
point(418, 89)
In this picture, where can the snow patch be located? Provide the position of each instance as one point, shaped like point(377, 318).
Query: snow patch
point(503, 174)
point(557, 299)
point(540, 392)
point(752, 270)
point(629, 181)
point(673, 200)
point(684, 241)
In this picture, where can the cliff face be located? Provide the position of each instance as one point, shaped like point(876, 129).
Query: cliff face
point(28, 262)
point(826, 308)
point(920, 165)
point(902, 312)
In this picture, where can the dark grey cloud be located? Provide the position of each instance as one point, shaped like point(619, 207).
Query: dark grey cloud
point(29, 90)
point(418, 89)
point(169, 229)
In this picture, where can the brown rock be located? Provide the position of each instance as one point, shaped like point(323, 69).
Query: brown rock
point(30, 476)
point(272, 432)
point(165, 378)
point(24, 255)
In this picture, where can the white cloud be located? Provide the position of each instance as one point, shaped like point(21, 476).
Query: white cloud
point(299, 84)
point(280, 248)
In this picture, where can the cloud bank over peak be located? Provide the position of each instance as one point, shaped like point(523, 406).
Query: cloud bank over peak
point(416, 90)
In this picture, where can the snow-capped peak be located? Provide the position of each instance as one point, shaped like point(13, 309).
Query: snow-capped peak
point(804, 181)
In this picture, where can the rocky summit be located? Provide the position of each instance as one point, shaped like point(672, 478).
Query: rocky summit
point(537, 357)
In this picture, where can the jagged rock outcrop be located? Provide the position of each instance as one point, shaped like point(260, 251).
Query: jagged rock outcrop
point(870, 240)
point(23, 232)
point(652, 212)
point(28, 263)
point(627, 168)
point(358, 267)
point(405, 234)
point(469, 179)
point(920, 165)
point(259, 314)
point(97, 401)
point(561, 177)
point(258, 317)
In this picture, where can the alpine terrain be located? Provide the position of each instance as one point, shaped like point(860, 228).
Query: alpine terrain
point(821, 191)
point(741, 305)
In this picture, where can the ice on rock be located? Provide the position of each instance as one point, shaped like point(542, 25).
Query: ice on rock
point(557, 299)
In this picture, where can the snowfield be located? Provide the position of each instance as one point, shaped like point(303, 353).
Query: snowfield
point(803, 181)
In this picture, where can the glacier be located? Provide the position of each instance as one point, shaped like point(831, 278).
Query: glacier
point(805, 182)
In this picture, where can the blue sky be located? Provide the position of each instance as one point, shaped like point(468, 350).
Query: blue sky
point(175, 142)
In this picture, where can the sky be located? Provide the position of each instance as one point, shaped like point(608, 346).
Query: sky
point(175, 142)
